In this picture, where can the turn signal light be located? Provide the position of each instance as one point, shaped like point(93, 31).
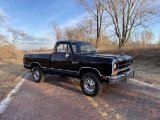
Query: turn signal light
point(115, 72)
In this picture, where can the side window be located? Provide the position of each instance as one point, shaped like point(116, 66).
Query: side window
point(85, 48)
point(74, 48)
point(63, 47)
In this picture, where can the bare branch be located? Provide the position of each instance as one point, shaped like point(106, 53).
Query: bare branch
point(127, 15)
point(95, 9)
point(57, 30)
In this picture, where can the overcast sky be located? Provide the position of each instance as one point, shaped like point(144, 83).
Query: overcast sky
point(34, 17)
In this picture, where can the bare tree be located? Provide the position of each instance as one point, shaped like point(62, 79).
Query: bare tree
point(15, 35)
point(96, 10)
point(74, 33)
point(57, 31)
point(70, 33)
point(87, 28)
point(146, 37)
point(159, 40)
point(4, 40)
point(127, 15)
point(84, 29)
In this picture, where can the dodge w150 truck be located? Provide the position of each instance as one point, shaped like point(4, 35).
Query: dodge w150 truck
point(81, 60)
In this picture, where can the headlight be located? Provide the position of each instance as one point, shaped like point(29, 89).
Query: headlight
point(114, 66)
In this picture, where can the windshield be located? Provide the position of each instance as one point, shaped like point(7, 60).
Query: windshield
point(82, 47)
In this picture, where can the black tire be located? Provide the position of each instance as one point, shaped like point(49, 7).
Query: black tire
point(90, 84)
point(38, 75)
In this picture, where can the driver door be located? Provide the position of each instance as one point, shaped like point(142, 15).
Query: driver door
point(61, 60)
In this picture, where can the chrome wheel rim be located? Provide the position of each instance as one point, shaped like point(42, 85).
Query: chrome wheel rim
point(36, 75)
point(89, 85)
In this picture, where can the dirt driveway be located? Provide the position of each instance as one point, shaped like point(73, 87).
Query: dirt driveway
point(59, 98)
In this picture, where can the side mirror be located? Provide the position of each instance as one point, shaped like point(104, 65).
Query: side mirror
point(66, 56)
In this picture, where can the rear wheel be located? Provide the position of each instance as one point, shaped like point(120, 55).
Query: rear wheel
point(38, 75)
point(90, 84)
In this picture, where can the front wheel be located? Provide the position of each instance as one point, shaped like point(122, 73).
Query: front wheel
point(38, 75)
point(90, 84)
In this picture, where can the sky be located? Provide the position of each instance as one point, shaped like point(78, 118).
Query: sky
point(34, 18)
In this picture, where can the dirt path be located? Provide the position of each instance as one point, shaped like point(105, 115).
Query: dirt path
point(11, 72)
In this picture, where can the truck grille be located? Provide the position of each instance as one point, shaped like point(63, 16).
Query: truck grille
point(124, 64)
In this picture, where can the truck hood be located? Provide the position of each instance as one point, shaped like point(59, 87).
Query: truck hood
point(108, 57)
point(115, 57)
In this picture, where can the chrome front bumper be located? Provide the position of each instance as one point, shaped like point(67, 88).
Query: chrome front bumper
point(122, 77)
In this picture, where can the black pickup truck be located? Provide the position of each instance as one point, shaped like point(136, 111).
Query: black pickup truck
point(81, 60)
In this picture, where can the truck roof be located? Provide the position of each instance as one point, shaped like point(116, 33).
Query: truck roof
point(65, 41)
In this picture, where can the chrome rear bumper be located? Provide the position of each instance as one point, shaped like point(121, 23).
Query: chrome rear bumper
point(122, 77)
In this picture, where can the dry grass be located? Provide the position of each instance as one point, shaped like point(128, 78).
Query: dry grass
point(38, 50)
point(11, 69)
point(10, 52)
point(146, 61)
point(150, 55)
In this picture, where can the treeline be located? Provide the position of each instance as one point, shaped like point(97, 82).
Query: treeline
point(85, 30)
point(113, 22)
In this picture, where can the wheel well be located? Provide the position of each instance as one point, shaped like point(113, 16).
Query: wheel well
point(34, 65)
point(86, 70)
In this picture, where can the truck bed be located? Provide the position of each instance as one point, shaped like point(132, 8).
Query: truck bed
point(42, 58)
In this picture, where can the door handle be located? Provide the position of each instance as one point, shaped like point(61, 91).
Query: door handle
point(74, 62)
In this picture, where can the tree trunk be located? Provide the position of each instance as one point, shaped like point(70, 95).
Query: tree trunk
point(120, 44)
point(97, 41)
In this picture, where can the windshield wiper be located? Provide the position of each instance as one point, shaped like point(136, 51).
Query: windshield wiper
point(84, 51)
point(93, 51)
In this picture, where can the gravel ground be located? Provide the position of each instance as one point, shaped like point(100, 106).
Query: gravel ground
point(147, 72)
point(11, 72)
